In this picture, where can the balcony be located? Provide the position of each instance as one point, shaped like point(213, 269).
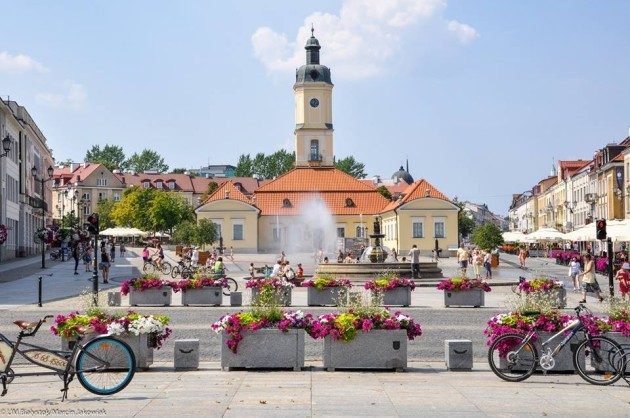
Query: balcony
point(315, 159)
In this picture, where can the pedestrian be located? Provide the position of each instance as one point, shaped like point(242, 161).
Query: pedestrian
point(589, 280)
point(194, 257)
point(159, 252)
point(123, 250)
point(282, 257)
point(462, 258)
point(218, 267)
point(252, 270)
point(104, 266)
point(87, 259)
point(112, 251)
point(623, 275)
point(477, 261)
point(75, 255)
point(231, 254)
point(340, 257)
point(299, 273)
point(414, 258)
point(487, 265)
point(395, 254)
point(522, 255)
point(574, 273)
point(277, 268)
point(145, 254)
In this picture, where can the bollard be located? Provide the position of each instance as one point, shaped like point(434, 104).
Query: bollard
point(236, 298)
point(186, 354)
point(39, 291)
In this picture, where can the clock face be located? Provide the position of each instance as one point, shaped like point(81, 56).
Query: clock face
point(314, 102)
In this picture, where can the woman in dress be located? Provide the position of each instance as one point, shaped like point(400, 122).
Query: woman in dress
point(589, 280)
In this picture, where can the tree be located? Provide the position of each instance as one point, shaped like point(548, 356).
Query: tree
point(487, 236)
point(104, 209)
point(351, 166)
point(384, 192)
point(244, 167)
point(185, 233)
point(145, 161)
point(69, 220)
point(265, 166)
point(465, 224)
point(212, 187)
point(111, 156)
point(167, 210)
point(206, 232)
point(133, 209)
point(178, 171)
point(66, 163)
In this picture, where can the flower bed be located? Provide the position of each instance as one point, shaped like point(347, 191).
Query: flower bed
point(143, 283)
point(324, 282)
point(458, 284)
point(460, 291)
point(326, 290)
point(148, 289)
point(552, 287)
point(270, 291)
point(395, 291)
point(201, 290)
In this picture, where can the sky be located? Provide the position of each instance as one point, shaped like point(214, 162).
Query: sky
point(479, 96)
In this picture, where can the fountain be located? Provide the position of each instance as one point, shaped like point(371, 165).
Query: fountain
point(375, 260)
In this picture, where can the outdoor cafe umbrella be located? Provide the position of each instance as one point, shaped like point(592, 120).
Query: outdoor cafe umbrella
point(513, 236)
point(545, 234)
point(123, 232)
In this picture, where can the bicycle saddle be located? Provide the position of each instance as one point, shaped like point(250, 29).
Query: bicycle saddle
point(25, 324)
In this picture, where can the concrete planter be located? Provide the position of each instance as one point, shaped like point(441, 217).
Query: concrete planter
point(265, 349)
point(207, 296)
point(282, 297)
point(472, 297)
point(376, 349)
point(158, 297)
point(560, 296)
point(564, 359)
point(399, 296)
point(328, 296)
point(624, 342)
point(141, 345)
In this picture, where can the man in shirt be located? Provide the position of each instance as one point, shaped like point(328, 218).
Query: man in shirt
point(462, 257)
point(414, 257)
point(277, 268)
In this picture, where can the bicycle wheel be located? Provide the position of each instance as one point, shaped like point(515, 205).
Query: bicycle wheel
point(233, 286)
point(187, 273)
point(105, 366)
point(599, 360)
point(166, 268)
point(148, 268)
point(511, 358)
point(176, 272)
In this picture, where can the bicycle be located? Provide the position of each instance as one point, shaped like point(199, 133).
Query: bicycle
point(103, 365)
point(232, 283)
point(151, 266)
point(513, 357)
point(183, 269)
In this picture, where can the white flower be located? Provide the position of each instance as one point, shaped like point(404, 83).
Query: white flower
point(145, 325)
point(402, 318)
point(116, 328)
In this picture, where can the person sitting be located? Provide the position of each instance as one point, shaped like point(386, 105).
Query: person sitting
point(299, 273)
point(218, 267)
point(277, 269)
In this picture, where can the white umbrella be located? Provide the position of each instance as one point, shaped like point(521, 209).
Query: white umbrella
point(123, 232)
point(585, 233)
point(513, 236)
point(545, 234)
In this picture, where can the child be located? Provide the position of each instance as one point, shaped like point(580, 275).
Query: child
point(623, 275)
point(300, 271)
point(574, 272)
point(252, 270)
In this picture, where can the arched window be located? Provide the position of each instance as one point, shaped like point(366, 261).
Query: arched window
point(349, 203)
point(286, 203)
point(315, 150)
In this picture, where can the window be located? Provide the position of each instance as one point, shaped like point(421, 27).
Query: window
point(171, 185)
point(237, 230)
point(218, 229)
point(417, 226)
point(116, 197)
point(159, 184)
point(341, 232)
point(315, 150)
point(439, 229)
point(86, 209)
point(360, 232)
point(286, 203)
point(86, 196)
point(146, 184)
point(101, 196)
point(276, 234)
point(349, 203)
point(101, 182)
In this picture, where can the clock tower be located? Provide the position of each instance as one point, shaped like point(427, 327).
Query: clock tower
point(313, 110)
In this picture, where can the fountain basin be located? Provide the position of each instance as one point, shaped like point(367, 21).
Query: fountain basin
point(360, 272)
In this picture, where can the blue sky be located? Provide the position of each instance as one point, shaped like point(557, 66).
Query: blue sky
point(479, 95)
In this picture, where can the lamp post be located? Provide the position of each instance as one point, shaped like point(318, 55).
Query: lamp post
point(7, 141)
point(42, 180)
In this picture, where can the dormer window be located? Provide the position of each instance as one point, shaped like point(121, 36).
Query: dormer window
point(171, 184)
point(286, 203)
point(159, 184)
point(349, 203)
point(146, 184)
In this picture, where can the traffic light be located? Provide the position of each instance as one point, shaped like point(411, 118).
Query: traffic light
point(93, 224)
point(600, 229)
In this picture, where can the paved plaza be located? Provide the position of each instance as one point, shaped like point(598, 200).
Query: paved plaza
point(426, 388)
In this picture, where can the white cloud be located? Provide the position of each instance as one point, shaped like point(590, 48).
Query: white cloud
point(74, 98)
point(465, 33)
point(19, 63)
point(358, 41)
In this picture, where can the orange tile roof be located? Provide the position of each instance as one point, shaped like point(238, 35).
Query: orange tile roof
point(228, 191)
point(417, 190)
point(367, 203)
point(308, 179)
point(182, 181)
point(80, 173)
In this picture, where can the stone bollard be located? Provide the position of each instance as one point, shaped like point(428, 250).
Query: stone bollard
point(458, 354)
point(186, 354)
point(236, 299)
point(113, 298)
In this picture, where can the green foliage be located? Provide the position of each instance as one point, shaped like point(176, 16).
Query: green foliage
point(69, 220)
point(265, 166)
point(355, 168)
point(104, 209)
point(206, 232)
point(178, 171)
point(167, 210)
point(487, 236)
point(185, 233)
point(212, 187)
point(189, 232)
point(465, 224)
point(384, 192)
point(145, 161)
point(66, 163)
point(111, 156)
point(133, 209)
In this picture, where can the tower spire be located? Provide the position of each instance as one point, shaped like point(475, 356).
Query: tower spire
point(312, 30)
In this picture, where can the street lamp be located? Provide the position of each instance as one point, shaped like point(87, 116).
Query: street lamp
point(6, 145)
point(42, 180)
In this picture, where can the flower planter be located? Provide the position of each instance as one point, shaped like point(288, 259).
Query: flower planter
point(624, 342)
point(560, 296)
point(399, 296)
point(328, 296)
point(471, 297)
point(376, 349)
point(282, 297)
point(207, 296)
point(141, 345)
point(154, 296)
point(564, 359)
point(265, 349)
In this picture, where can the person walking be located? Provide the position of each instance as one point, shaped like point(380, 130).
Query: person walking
point(160, 255)
point(104, 266)
point(231, 254)
point(522, 255)
point(414, 258)
point(477, 261)
point(589, 280)
point(194, 257)
point(87, 258)
point(395, 254)
point(462, 258)
point(487, 265)
point(252, 270)
point(623, 275)
point(75, 255)
point(112, 251)
point(574, 273)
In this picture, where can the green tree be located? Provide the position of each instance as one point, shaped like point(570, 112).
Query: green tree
point(259, 165)
point(351, 166)
point(206, 232)
point(178, 171)
point(487, 236)
point(185, 233)
point(244, 167)
point(69, 220)
point(133, 209)
point(384, 192)
point(111, 156)
point(145, 161)
point(465, 224)
point(167, 210)
point(104, 209)
point(212, 187)
point(278, 163)
point(66, 163)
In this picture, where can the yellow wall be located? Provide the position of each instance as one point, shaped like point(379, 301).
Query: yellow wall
point(226, 212)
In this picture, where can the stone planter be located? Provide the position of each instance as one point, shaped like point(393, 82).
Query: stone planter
point(141, 345)
point(624, 342)
point(560, 296)
point(564, 359)
point(282, 297)
point(399, 296)
point(265, 349)
point(328, 296)
point(207, 296)
point(376, 349)
point(159, 297)
point(472, 297)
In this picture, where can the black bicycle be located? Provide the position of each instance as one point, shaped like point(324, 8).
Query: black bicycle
point(103, 365)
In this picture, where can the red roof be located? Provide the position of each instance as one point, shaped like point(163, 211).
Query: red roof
point(80, 173)
point(228, 191)
point(417, 190)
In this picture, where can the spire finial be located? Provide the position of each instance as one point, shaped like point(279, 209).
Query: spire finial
point(312, 30)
